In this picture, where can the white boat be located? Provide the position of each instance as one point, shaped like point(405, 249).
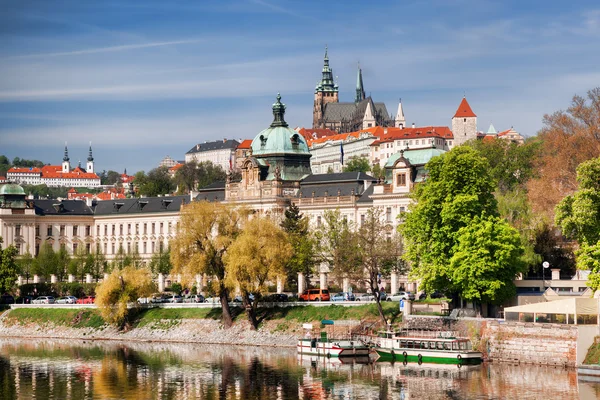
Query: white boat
point(332, 347)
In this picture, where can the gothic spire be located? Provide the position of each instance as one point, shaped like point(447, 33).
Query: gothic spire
point(278, 113)
point(326, 84)
point(66, 157)
point(360, 90)
point(90, 157)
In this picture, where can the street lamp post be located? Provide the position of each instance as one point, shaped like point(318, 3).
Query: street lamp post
point(545, 265)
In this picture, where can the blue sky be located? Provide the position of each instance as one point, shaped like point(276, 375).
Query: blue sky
point(146, 79)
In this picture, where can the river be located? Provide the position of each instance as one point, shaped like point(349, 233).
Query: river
point(52, 369)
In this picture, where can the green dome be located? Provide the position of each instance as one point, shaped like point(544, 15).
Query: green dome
point(279, 138)
point(12, 189)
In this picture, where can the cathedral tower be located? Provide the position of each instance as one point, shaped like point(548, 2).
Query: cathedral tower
point(325, 92)
point(360, 90)
point(464, 123)
point(400, 121)
point(66, 166)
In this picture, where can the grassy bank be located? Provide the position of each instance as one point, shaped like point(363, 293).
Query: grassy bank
point(593, 354)
point(167, 317)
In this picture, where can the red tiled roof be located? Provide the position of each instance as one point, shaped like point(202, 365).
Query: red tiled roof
point(464, 110)
point(55, 171)
point(174, 168)
point(414, 133)
point(126, 178)
point(245, 144)
point(311, 134)
point(24, 170)
point(505, 132)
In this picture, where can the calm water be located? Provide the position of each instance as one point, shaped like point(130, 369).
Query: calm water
point(108, 370)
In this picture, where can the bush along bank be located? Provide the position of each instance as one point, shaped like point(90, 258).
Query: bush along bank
point(280, 326)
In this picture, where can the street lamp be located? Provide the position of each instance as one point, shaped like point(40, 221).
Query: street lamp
point(545, 264)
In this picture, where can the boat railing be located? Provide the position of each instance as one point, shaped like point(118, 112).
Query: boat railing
point(427, 334)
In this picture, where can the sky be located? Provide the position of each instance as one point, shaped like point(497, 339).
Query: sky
point(141, 80)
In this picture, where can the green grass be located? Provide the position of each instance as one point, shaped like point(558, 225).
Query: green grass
point(593, 354)
point(432, 301)
point(77, 318)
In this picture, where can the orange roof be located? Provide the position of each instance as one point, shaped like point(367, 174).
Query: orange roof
point(24, 170)
point(311, 134)
point(245, 144)
point(72, 190)
point(175, 167)
point(464, 110)
point(506, 132)
point(414, 133)
point(55, 171)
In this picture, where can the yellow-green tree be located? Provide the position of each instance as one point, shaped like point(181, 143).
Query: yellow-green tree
point(257, 256)
point(205, 233)
point(123, 286)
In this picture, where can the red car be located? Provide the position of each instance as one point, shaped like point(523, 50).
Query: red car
point(86, 300)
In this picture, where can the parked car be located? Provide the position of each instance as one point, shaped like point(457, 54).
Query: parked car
point(174, 298)
point(66, 300)
point(366, 297)
point(401, 296)
point(315, 295)
point(86, 300)
point(434, 295)
point(44, 300)
point(212, 300)
point(195, 298)
point(24, 300)
point(277, 297)
point(238, 299)
point(7, 299)
point(343, 296)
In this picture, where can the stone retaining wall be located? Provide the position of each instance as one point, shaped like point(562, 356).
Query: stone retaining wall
point(498, 340)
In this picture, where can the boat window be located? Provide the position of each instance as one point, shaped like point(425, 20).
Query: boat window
point(432, 345)
point(423, 345)
point(440, 345)
point(403, 343)
point(410, 345)
point(469, 346)
point(446, 346)
point(454, 346)
point(463, 345)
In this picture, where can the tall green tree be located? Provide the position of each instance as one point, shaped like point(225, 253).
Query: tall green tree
point(296, 226)
point(26, 264)
point(160, 263)
point(578, 215)
point(209, 173)
point(156, 182)
point(256, 257)
point(45, 262)
point(458, 189)
point(486, 260)
point(8, 267)
point(357, 164)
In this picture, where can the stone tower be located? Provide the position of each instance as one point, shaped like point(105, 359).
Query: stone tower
point(325, 92)
point(400, 120)
point(66, 165)
point(90, 161)
point(464, 123)
point(360, 90)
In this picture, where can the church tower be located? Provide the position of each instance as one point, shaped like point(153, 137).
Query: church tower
point(90, 161)
point(66, 166)
point(360, 90)
point(464, 123)
point(325, 92)
point(400, 120)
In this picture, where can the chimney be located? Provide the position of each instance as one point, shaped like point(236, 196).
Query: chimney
point(413, 124)
point(224, 140)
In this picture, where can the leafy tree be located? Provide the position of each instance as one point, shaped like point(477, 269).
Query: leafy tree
point(296, 226)
point(578, 215)
point(186, 177)
point(209, 173)
point(459, 188)
point(335, 246)
point(25, 263)
point(330, 170)
point(486, 260)
point(4, 165)
point(206, 231)
point(378, 253)
point(257, 256)
point(21, 162)
point(550, 245)
point(8, 267)
point(43, 191)
point(45, 262)
point(357, 164)
point(123, 287)
point(377, 171)
point(77, 264)
point(156, 182)
point(511, 165)
point(111, 178)
point(63, 258)
point(569, 138)
point(160, 263)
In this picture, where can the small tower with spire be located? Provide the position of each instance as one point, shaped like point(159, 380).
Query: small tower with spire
point(66, 166)
point(90, 161)
point(325, 92)
point(360, 90)
point(400, 120)
point(464, 123)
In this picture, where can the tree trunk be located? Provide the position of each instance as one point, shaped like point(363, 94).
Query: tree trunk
point(250, 307)
point(225, 311)
point(375, 291)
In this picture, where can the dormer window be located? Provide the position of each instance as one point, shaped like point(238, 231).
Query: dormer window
point(117, 206)
point(166, 203)
point(263, 141)
point(59, 207)
point(142, 204)
point(295, 141)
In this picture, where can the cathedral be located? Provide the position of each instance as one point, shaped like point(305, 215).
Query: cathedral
point(362, 113)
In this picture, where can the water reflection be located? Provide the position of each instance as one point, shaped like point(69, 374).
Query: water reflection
point(108, 370)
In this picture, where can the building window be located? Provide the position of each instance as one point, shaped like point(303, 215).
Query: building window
point(75, 229)
point(37, 249)
point(362, 219)
point(105, 230)
point(62, 230)
point(114, 230)
point(121, 229)
point(402, 209)
point(88, 248)
point(401, 180)
point(145, 228)
point(319, 220)
point(153, 228)
point(152, 246)
point(18, 246)
point(145, 247)
point(18, 230)
point(49, 230)
point(129, 229)
point(128, 247)
point(388, 214)
point(160, 246)
point(37, 230)
point(75, 248)
point(88, 230)
point(168, 227)
point(112, 248)
point(161, 228)
point(98, 230)
point(137, 229)
point(105, 248)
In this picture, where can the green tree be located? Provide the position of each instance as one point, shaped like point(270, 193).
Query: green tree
point(379, 253)
point(486, 260)
point(120, 260)
point(122, 288)
point(357, 164)
point(186, 177)
point(45, 262)
point(257, 256)
point(160, 263)
point(377, 171)
point(63, 258)
point(111, 178)
point(296, 226)
point(76, 265)
point(156, 182)
point(26, 264)
point(206, 231)
point(209, 173)
point(336, 246)
point(578, 215)
point(458, 189)
point(8, 267)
